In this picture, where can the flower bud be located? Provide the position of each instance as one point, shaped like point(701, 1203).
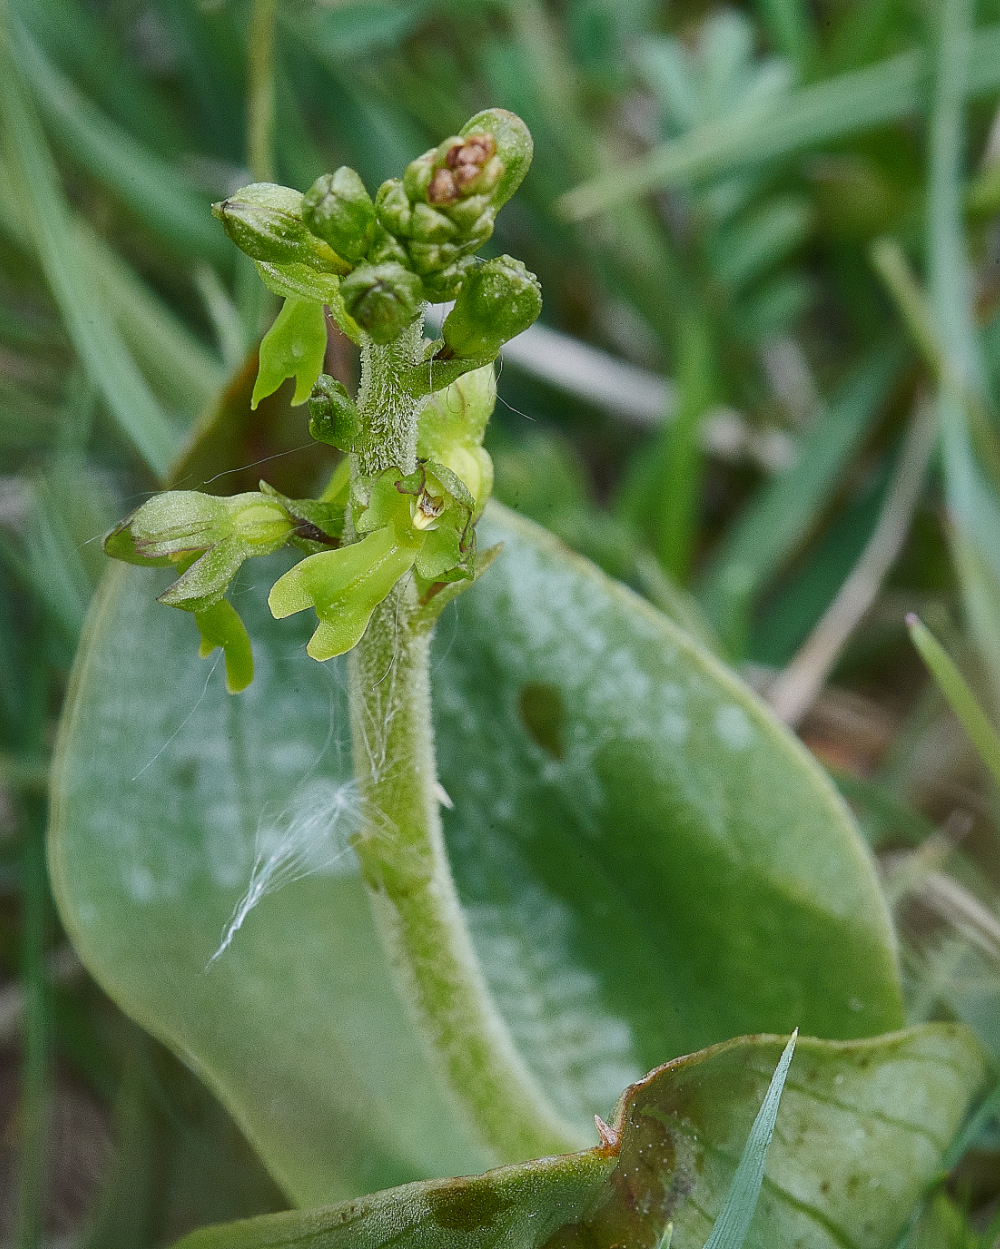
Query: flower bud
point(473, 215)
point(430, 226)
point(383, 299)
point(259, 521)
point(339, 210)
point(386, 246)
point(265, 221)
point(209, 537)
point(457, 415)
point(169, 526)
point(444, 284)
point(417, 177)
point(333, 416)
point(513, 147)
point(429, 257)
point(393, 208)
point(497, 302)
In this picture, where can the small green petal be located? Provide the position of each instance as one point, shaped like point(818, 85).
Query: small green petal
point(294, 346)
point(221, 625)
point(439, 555)
point(208, 578)
point(344, 586)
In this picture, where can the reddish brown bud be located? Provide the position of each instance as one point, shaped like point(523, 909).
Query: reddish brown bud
point(442, 189)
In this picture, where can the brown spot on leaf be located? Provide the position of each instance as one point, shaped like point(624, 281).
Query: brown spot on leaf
point(543, 713)
point(466, 1206)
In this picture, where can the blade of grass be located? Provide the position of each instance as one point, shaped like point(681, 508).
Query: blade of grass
point(891, 264)
point(788, 24)
point(971, 498)
point(94, 55)
point(151, 188)
point(733, 1224)
point(675, 510)
point(178, 366)
point(35, 1092)
point(848, 104)
point(956, 690)
point(795, 689)
point(260, 90)
point(94, 336)
point(786, 509)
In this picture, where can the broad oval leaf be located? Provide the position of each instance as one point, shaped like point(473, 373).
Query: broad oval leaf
point(860, 1135)
point(648, 861)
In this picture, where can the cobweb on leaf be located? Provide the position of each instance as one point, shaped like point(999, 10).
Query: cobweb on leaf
point(310, 836)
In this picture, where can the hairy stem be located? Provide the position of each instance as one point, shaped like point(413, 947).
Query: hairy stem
point(401, 848)
point(387, 409)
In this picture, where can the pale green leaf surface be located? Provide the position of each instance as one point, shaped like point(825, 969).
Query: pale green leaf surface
point(632, 831)
point(649, 862)
point(859, 1136)
point(166, 781)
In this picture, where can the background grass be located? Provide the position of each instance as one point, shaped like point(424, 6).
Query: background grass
point(769, 247)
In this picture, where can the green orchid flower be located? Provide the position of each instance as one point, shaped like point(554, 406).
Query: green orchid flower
point(421, 522)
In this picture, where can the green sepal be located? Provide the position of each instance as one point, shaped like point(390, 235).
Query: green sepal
point(333, 415)
point(386, 247)
point(435, 372)
point(451, 430)
point(203, 585)
point(441, 557)
point(265, 221)
point(338, 488)
point(301, 282)
point(221, 625)
point(338, 209)
point(294, 346)
point(383, 299)
point(435, 596)
point(444, 284)
point(344, 586)
point(497, 301)
point(393, 208)
point(120, 544)
point(296, 281)
point(168, 525)
point(430, 258)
